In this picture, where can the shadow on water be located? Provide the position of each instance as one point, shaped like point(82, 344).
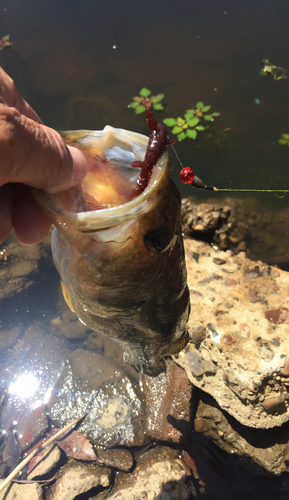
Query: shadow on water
point(79, 64)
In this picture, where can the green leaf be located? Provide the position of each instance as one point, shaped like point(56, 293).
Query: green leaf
point(199, 105)
point(193, 122)
point(266, 61)
point(285, 136)
point(263, 72)
point(206, 108)
point(216, 113)
point(158, 106)
point(140, 109)
point(145, 92)
point(170, 122)
point(200, 127)
point(177, 130)
point(283, 142)
point(192, 134)
point(181, 136)
point(138, 99)
point(180, 121)
point(133, 105)
point(6, 38)
point(208, 118)
point(157, 98)
point(189, 114)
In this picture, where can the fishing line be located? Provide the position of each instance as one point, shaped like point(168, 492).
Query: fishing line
point(187, 176)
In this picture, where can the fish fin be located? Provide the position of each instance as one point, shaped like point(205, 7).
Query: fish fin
point(66, 296)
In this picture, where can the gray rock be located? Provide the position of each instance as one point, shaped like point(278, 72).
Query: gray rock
point(91, 384)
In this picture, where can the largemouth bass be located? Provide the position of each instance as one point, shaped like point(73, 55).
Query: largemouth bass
point(117, 244)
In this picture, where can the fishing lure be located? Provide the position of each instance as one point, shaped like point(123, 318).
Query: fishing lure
point(187, 176)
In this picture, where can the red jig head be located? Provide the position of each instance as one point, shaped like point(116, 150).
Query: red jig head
point(188, 177)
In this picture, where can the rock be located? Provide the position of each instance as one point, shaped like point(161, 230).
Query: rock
point(44, 461)
point(78, 478)
point(94, 385)
point(158, 475)
point(168, 410)
point(266, 451)
point(115, 458)
point(240, 355)
point(9, 337)
point(19, 266)
point(21, 491)
point(70, 326)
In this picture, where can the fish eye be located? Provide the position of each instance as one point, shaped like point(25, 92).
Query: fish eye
point(158, 239)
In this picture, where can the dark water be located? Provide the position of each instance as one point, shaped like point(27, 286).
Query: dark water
point(80, 63)
point(64, 63)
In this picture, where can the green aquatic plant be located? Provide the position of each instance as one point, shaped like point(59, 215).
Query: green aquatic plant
point(276, 72)
point(284, 140)
point(146, 100)
point(5, 42)
point(190, 125)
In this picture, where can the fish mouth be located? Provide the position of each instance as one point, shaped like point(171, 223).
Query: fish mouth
point(103, 201)
point(147, 361)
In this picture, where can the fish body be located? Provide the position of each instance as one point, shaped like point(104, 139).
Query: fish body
point(121, 258)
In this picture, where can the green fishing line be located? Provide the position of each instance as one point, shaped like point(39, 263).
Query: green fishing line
point(276, 191)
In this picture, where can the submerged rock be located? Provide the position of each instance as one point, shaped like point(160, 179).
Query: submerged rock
point(168, 408)
point(92, 384)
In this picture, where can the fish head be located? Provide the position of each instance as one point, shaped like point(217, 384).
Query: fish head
point(121, 260)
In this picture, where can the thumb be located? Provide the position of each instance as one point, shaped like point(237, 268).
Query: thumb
point(36, 155)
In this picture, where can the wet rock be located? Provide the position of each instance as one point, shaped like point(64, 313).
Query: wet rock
point(115, 458)
point(44, 461)
point(168, 409)
point(78, 478)
point(70, 326)
point(266, 451)
point(21, 491)
point(20, 266)
point(91, 384)
point(158, 475)
point(246, 348)
point(9, 337)
point(242, 226)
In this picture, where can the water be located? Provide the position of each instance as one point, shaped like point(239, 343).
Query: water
point(79, 64)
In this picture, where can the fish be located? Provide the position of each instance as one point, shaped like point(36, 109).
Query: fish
point(118, 246)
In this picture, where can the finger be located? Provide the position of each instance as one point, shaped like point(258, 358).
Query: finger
point(29, 222)
point(11, 96)
point(6, 211)
point(36, 155)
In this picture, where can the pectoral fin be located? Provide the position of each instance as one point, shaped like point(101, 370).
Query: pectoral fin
point(66, 296)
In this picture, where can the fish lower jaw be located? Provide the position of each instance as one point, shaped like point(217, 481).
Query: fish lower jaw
point(151, 366)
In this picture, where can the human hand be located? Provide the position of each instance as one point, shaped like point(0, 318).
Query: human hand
point(31, 155)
